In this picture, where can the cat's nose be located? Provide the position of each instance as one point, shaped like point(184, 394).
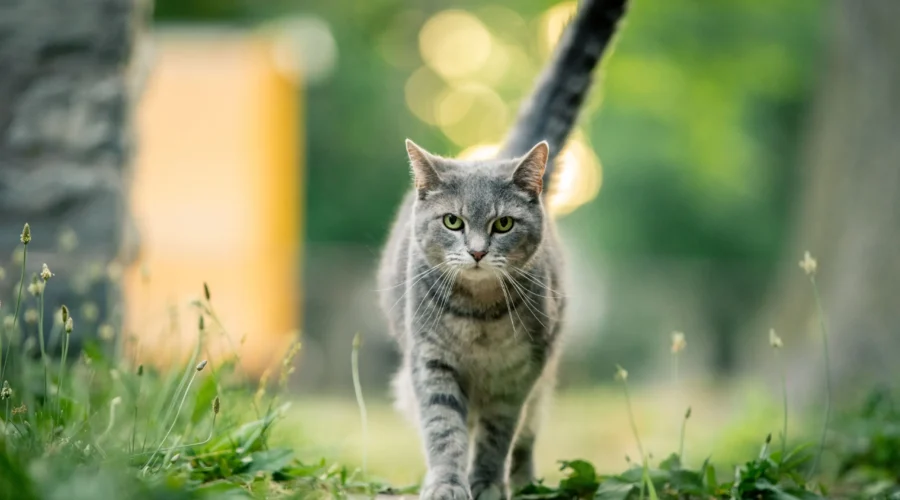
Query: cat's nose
point(477, 255)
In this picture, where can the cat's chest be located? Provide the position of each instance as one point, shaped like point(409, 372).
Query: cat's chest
point(490, 352)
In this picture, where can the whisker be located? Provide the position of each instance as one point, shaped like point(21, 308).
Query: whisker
point(425, 296)
point(538, 282)
point(509, 304)
point(430, 269)
point(421, 277)
point(435, 305)
point(533, 307)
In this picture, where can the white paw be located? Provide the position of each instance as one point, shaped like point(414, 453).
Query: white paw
point(445, 491)
point(488, 492)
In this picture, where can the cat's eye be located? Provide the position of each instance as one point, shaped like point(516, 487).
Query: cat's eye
point(453, 222)
point(503, 224)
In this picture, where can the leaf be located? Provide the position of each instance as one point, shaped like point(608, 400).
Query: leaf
point(270, 461)
point(581, 481)
point(671, 463)
point(687, 481)
point(615, 489)
point(649, 483)
point(223, 490)
point(710, 474)
point(203, 402)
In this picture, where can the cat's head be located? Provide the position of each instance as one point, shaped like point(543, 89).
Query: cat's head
point(478, 216)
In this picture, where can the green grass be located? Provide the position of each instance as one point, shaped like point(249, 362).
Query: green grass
point(102, 426)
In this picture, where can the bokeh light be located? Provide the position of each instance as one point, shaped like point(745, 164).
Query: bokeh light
point(419, 91)
point(553, 23)
point(454, 44)
point(471, 113)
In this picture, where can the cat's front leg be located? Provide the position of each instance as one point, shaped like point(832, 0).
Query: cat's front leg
point(496, 428)
point(443, 410)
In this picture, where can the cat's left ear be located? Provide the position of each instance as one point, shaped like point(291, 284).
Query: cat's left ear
point(529, 174)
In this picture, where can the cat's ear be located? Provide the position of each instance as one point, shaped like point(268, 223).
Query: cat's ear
point(529, 173)
point(425, 175)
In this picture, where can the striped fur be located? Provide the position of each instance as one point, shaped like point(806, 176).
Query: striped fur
point(480, 335)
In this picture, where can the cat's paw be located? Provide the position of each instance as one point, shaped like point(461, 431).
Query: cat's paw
point(445, 490)
point(489, 491)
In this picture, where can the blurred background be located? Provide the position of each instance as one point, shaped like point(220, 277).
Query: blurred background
point(258, 146)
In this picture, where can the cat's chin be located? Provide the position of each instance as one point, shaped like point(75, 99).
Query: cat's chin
point(478, 274)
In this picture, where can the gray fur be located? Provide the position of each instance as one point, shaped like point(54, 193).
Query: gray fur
point(480, 338)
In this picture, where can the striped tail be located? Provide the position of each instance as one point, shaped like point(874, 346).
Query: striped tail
point(553, 108)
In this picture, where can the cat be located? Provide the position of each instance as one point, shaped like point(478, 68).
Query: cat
point(470, 281)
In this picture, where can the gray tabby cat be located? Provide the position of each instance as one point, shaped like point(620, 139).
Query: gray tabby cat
point(470, 282)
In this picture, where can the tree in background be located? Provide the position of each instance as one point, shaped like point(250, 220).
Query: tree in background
point(849, 210)
point(67, 90)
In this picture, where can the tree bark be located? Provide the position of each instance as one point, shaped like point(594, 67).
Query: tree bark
point(849, 208)
point(67, 89)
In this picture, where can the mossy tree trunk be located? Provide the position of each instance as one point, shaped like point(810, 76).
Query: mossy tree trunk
point(68, 84)
point(849, 208)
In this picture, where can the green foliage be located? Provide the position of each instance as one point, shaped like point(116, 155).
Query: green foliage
point(870, 450)
point(101, 427)
point(765, 477)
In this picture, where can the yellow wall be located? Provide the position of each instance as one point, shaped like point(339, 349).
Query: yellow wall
point(216, 193)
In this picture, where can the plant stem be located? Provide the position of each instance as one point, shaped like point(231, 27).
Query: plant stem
point(634, 429)
point(174, 421)
point(18, 304)
point(62, 373)
point(683, 428)
point(44, 359)
point(357, 388)
point(821, 313)
point(784, 396)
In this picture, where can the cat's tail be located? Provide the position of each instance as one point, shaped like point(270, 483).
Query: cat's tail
point(550, 113)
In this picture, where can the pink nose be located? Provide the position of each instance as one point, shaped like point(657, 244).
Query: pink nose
point(477, 255)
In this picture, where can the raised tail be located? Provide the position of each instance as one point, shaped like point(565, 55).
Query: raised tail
point(550, 113)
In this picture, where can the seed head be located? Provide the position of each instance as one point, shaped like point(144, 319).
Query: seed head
point(678, 342)
point(140, 371)
point(621, 374)
point(357, 341)
point(90, 311)
point(25, 237)
point(201, 365)
point(21, 409)
point(68, 240)
point(9, 321)
point(70, 325)
point(201, 323)
point(687, 414)
point(45, 273)
point(808, 264)
point(36, 288)
point(175, 457)
point(769, 438)
point(6, 391)
point(106, 331)
point(216, 405)
point(31, 316)
point(65, 314)
point(775, 340)
point(206, 291)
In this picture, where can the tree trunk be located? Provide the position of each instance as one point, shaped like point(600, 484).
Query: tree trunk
point(849, 208)
point(67, 89)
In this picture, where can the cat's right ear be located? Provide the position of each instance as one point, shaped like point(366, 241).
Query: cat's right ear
point(424, 174)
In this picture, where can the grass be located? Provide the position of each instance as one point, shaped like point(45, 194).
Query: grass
point(103, 426)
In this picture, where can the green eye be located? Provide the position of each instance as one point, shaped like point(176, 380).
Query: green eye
point(503, 224)
point(453, 222)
